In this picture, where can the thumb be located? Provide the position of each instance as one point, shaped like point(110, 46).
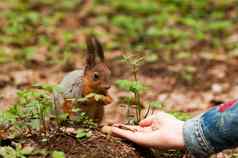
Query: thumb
point(156, 118)
point(146, 122)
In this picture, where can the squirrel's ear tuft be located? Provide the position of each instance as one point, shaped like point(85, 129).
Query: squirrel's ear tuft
point(99, 49)
point(91, 59)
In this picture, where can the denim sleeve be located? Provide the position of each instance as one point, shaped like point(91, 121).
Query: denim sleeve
point(212, 131)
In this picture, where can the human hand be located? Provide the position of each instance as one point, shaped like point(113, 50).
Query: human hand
point(160, 130)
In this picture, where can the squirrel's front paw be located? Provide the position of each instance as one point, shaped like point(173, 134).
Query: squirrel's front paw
point(94, 98)
point(107, 100)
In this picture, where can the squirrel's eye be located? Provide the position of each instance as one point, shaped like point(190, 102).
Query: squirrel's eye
point(95, 76)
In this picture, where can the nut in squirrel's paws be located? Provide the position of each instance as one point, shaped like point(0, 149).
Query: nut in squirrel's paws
point(94, 98)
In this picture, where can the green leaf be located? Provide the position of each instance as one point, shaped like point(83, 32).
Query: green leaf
point(82, 133)
point(58, 154)
point(131, 86)
point(35, 124)
point(7, 117)
point(62, 116)
point(8, 152)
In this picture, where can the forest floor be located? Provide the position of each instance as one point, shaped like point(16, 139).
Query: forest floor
point(213, 82)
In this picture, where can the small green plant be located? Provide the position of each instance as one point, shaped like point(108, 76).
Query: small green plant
point(133, 86)
point(8, 152)
point(83, 119)
point(31, 112)
point(33, 108)
point(34, 112)
point(18, 152)
point(137, 88)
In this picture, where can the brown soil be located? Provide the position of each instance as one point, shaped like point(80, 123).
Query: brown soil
point(97, 146)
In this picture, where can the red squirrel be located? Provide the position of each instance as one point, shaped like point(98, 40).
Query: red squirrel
point(93, 78)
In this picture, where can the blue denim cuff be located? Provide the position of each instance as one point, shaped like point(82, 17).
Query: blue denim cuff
point(194, 139)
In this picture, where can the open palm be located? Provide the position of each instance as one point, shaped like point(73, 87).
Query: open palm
point(160, 130)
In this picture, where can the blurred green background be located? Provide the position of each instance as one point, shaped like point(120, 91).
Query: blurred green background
point(162, 30)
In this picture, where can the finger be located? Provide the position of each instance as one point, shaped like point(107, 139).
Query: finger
point(116, 124)
point(123, 133)
point(130, 127)
point(149, 139)
point(133, 128)
point(146, 122)
point(136, 137)
point(152, 119)
point(145, 129)
point(127, 127)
